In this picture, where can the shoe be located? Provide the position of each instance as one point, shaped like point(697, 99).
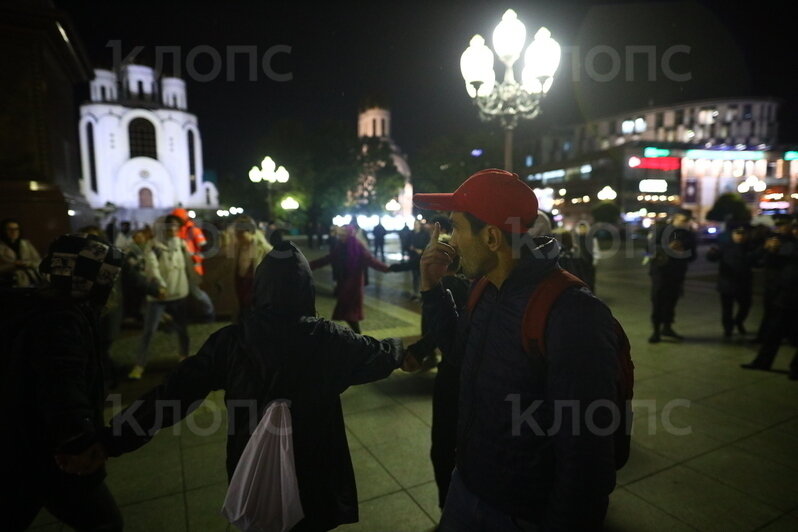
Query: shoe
point(741, 329)
point(136, 372)
point(727, 336)
point(667, 331)
point(654, 339)
point(181, 358)
point(754, 365)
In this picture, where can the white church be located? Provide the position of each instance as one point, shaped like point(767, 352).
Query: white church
point(140, 148)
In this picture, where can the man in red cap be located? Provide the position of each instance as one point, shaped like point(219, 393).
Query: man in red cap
point(529, 456)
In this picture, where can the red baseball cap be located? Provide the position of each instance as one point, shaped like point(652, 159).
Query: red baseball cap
point(496, 197)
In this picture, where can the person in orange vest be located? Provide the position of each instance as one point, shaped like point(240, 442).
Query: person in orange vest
point(195, 242)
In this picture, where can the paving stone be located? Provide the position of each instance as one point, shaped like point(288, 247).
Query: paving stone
point(203, 506)
point(628, 512)
point(204, 465)
point(397, 455)
point(397, 512)
point(702, 502)
point(162, 513)
point(757, 476)
point(372, 479)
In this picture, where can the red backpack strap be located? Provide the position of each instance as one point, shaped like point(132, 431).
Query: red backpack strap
point(477, 289)
point(533, 328)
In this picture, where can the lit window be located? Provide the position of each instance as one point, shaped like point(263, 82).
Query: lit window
point(640, 125)
point(628, 127)
point(141, 134)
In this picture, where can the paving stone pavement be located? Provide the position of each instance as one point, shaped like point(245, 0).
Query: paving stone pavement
point(714, 446)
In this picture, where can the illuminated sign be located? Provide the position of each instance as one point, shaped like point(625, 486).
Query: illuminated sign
point(725, 155)
point(774, 205)
point(655, 163)
point(790, 155)
point(653, 186)
point(656, 152)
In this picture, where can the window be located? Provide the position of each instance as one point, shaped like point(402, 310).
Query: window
point(659, 120)
point(640, 125)
point(373, 127)
point(384, 132)
point(92, 162)
point(103, 97)
point(140, 85)
point(192, 164)
point(141, 134)
point(747, 111)
point(679, 117)
point(628, 127)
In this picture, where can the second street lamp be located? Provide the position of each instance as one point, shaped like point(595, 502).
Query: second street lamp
point(509, 101)
point(270, 173)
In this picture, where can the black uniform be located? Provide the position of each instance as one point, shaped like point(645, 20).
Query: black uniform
point(735, 281)
point(668, 269)
point(773, 263)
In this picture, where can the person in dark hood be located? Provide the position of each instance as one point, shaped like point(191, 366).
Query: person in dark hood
point(312, 361)
point(53, 391)
point(525, 459)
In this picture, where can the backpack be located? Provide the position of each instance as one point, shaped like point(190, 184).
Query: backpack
point(533, 331)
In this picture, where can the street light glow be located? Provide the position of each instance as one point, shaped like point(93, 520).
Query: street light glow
point(392, 206)
point(289, 203)
point(607, 194)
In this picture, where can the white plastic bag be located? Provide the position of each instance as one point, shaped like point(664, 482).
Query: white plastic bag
point(263, 495)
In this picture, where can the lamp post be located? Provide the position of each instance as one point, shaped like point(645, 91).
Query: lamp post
point(270, 173)
point(509, 101)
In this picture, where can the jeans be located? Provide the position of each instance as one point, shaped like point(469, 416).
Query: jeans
point(155, 309)
point(465, 512)
point(208, 312)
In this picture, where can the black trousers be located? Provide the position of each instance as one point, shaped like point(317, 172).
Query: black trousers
point(379, 249)
point(84, 508)
point(444, 426)
point(665, 292)
point(728, 318)
point(767, 311)
point(780, 325)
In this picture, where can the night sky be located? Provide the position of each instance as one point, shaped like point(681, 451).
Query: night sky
point(407, 55)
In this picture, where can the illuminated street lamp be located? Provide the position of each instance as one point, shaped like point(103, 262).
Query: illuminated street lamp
point(270, 173)
point(393, 206)
point(289, 204)
point(509, 101)
point(607, 194)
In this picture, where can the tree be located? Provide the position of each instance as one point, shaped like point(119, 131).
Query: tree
point(443, 164)
point(380, 180)
point(606, 212)
point(729, 207)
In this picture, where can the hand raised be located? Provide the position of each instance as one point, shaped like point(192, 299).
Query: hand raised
point(435, 260)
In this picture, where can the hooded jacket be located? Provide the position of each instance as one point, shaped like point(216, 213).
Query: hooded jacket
point(515, 447)
point(279, 349)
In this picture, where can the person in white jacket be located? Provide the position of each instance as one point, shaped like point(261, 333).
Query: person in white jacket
point(167, 263)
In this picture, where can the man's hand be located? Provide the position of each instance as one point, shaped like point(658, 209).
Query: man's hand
point(435, 260)
point(410, 363)
point(161, 293)
point(84, 463)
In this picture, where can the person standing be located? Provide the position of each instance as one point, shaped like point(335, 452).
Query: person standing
point(735, 260)
point(404, 241)
point(350, 259)
point(125, 237)
point(310, 362)
point(586, 250)
point(773, 262)
point(167, 263)
point(672, 247)
point(419, 239)
point(250, 248)
point(783, 317)
point(379, 233)
point(53, 393)
point(513, 473)
point(19, 260)
point(447, 385)
point(195, 243)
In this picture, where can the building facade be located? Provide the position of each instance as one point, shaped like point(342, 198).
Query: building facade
point(654, 161)
point(140, 147)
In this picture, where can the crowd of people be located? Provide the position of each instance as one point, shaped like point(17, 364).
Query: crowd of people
point(493, 471)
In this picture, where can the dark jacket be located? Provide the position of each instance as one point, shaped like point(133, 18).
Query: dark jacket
point(666, 263)
point(558, 478)
point(56, 379)
point(315, 360)
point(735, 274)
